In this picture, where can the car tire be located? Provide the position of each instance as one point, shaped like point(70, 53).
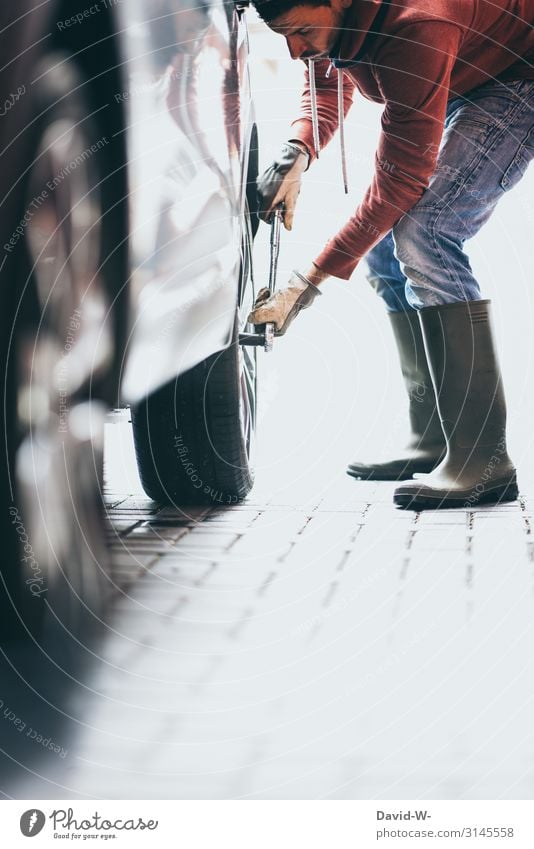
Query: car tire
point(195, 437)
point(54, 579)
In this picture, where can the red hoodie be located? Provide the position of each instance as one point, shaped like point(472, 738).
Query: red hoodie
point(413, 56)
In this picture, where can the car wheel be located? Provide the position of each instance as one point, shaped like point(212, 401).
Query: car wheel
point(53, 579)
point(194, 438)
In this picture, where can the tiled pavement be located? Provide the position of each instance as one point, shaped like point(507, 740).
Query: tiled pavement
point(308, 646)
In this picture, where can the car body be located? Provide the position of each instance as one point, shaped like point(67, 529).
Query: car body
point(190, 121)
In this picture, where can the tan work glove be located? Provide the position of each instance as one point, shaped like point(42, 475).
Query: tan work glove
point(280, 183)
point(282, 307)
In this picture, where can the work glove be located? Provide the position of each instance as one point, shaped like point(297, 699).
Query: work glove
point(280, 183)
point(282, 307)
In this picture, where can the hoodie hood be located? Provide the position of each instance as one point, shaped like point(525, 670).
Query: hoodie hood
point(358, 21)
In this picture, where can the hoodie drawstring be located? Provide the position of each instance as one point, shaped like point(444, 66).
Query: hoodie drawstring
point(340, 112)
point(341, 121)
point(313, 94)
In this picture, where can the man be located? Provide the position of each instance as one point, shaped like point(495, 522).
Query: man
point(456, 78)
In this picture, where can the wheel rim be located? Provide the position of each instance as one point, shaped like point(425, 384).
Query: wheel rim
point(247, 354)
point(247, 399)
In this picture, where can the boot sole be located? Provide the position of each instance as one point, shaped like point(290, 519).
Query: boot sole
point(423, 500)
point(400, 475)
point(377, 476)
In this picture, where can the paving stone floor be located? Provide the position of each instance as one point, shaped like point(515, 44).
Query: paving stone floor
point(323, 644)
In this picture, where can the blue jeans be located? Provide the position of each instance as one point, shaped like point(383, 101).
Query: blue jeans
point(487, 144)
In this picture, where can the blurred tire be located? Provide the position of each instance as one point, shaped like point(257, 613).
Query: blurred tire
point(53, 575)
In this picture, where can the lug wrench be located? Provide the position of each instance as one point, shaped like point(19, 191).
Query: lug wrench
point(267, 337)
point(273, 268)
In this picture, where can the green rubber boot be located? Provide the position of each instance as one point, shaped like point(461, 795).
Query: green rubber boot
point(467, 380)
point(425, 445)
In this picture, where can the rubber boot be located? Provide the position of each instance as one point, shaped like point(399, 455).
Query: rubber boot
point(425, 445)
point(463, 363)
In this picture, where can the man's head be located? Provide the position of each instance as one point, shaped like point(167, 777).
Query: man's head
point(311, 28)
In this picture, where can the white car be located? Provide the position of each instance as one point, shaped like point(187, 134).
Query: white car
point(129, 164)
